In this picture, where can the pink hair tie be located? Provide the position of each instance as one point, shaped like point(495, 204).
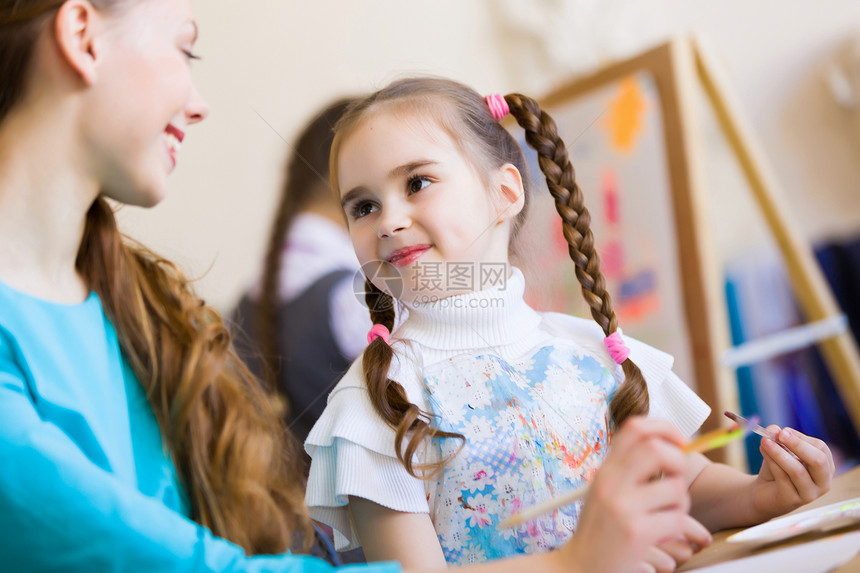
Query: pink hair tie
point(616, 347)
point(378, 331)
point(498, 106)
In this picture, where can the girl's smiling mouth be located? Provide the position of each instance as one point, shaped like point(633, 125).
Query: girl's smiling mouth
point(407, 255)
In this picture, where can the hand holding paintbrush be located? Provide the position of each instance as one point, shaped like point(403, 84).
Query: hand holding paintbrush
point(795, 470)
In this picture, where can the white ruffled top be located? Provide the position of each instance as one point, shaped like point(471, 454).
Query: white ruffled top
point(352, 448)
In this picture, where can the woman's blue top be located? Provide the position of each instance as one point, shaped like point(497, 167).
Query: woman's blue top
point(86, 483)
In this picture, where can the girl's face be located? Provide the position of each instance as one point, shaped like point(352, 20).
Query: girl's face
point(420, 217)
point(143, 98)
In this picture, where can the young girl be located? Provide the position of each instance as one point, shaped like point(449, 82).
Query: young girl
point(477, 406)
point(131, 438)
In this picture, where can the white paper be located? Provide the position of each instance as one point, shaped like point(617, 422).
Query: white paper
point(818, 556)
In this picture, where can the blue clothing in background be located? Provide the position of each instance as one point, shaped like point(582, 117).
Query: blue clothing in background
point(85, 481)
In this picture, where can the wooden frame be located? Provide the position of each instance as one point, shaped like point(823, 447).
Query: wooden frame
point(678, 68)
point(816, 300)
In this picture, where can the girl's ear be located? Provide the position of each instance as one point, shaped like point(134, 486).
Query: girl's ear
point(509, 193)
point(76, 30)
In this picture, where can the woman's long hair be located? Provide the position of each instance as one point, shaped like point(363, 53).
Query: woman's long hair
point(230, 449)
point(465, 116)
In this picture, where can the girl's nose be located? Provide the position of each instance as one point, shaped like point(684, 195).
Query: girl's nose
point(395, 218)
point(197, 109)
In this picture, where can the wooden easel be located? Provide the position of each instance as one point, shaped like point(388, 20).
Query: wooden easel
point(678, 67)
point(814, 296)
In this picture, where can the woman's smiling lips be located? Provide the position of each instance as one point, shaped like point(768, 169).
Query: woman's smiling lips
point(174, 141)
point(407, 255)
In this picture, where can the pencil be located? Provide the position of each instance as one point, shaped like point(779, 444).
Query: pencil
point(706, 442)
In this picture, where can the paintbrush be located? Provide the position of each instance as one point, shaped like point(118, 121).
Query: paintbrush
point(706, 442)
point(756, 428)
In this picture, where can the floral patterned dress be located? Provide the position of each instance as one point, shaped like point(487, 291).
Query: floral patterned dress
point(534, 429)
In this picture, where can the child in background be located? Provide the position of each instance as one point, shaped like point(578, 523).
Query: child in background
point(476, 405)
point(131, 437)
point(302, 326)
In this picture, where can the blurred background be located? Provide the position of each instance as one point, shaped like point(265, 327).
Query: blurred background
point(793, 65)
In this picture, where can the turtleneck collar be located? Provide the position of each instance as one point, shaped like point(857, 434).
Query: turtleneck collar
point(494, 317)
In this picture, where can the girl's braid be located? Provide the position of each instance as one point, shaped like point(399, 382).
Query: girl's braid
point(388, 397)
point(542, 135)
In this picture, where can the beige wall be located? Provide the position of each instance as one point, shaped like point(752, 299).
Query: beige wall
point(775, 53)
point(275, 61)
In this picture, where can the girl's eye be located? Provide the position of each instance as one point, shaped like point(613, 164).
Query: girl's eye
point(363, 209)
point(417, 183)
